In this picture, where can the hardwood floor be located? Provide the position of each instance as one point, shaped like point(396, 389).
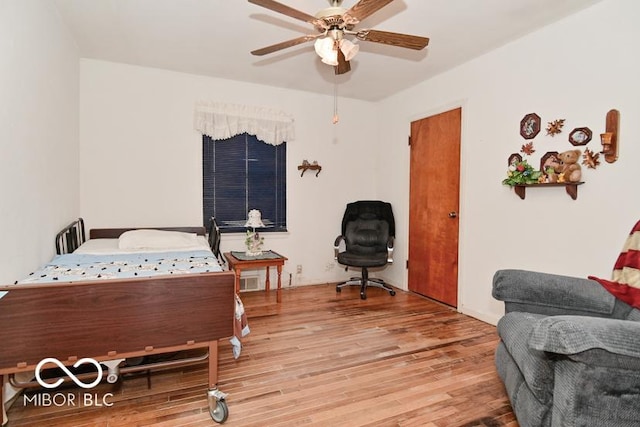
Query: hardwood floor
point(319, 359)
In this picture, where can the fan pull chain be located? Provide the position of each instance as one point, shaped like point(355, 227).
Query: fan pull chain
point(336, 118)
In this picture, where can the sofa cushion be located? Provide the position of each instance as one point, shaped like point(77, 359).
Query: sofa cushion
point(575, 334)
point(634, 315)
point(515, 329)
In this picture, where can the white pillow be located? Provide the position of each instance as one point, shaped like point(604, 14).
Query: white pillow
point(156, 239)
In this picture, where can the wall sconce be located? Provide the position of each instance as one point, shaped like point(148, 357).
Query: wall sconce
point(609, 139)
point(605, 139)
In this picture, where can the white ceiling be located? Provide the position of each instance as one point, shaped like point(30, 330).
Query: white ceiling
point(214, 38)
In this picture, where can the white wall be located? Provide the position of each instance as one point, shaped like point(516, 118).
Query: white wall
point(39, 180)
point(141, 158)
point(576, 69)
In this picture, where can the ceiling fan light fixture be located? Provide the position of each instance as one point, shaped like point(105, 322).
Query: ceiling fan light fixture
point(325, 49)
point(331, 59)
point(349, 49)
point(330, 62)
point(323, 45)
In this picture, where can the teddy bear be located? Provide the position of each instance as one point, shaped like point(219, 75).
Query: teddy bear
point(569, 165)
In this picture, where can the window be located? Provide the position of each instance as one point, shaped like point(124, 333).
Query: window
point(243, 173)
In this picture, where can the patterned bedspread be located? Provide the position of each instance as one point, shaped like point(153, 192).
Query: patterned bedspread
point(75, 267)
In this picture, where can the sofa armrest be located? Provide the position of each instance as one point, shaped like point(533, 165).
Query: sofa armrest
point(590, 340)
point(552, 294)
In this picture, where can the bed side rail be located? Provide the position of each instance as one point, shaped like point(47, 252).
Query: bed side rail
point(70, 237)
point(111, 319)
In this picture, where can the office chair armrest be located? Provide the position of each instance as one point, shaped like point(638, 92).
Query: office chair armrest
point(390, 249)
point(336, 246)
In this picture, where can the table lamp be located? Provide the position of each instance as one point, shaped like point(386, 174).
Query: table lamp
point(254, 241)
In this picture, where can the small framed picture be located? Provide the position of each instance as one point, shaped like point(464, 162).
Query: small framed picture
point(530, 126)
point(549, 159)
point(514, 158)
point(580, 136)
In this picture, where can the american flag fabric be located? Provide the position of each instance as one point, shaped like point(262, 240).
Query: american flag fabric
point(625, 280)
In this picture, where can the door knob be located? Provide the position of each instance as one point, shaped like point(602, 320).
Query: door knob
point(453, 214)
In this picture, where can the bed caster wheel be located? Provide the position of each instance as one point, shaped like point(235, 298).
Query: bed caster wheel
point(218, 408)
point(113, 370)
point(220, 413)
point(363, 295)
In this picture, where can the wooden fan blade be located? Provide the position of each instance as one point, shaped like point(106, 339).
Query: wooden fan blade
point(364, 8)
point(284, 9)
point(343, 65)
point(282, 45)
point(393, 39)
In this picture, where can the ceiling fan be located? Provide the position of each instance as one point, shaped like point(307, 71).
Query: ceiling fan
point(332, 24)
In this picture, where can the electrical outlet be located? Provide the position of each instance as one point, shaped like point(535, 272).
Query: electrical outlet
point(298, 269)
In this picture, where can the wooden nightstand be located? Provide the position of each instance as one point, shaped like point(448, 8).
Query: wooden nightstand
point(238, 262)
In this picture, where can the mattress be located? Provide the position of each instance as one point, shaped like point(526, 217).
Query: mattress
point(130, 256)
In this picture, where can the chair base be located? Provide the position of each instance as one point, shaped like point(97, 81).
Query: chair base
point(364, 282)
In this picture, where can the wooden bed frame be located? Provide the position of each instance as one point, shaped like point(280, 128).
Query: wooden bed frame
point(115, 319)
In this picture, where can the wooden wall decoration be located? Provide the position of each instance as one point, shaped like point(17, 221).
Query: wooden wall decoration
point(612, 125)
point(530, 126)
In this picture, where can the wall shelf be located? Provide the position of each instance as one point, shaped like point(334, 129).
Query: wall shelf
point(570, 187)
point(306, 167)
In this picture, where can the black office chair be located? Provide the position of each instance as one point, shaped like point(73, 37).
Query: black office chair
point(368, 232)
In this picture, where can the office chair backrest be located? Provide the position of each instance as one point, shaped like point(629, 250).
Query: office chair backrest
point(379, 210)
point(367, 236)
point(367, 225)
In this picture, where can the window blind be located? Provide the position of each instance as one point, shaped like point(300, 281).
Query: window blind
point(243, 173)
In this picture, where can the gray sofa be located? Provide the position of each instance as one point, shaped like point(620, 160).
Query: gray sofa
point(569, 353)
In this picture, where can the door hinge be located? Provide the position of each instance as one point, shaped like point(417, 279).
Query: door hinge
point(407, 264)
point(409, 140)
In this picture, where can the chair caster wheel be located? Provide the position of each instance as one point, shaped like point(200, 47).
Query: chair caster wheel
point(392, 293)
point(363, 295)
point(338, 289)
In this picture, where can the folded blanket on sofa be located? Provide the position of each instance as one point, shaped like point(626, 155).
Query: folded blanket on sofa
point(625, 280)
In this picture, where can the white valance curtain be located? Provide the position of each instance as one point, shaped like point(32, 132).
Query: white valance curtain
point(222, 121)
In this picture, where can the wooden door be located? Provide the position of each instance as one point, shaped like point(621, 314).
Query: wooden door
point(434, 202)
